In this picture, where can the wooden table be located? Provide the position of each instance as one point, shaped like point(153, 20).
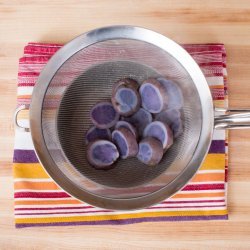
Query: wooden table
point(185, 21)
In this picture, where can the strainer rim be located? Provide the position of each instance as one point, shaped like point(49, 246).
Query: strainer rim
point(111, 33)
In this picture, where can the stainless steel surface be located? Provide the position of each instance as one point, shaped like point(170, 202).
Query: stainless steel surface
point(233, 119)
point(17, 126)
point(81, 73)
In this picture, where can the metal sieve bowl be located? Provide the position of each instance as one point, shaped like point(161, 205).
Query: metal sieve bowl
point(82, 73)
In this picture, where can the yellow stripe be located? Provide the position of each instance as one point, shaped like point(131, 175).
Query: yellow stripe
point(35, 170)
point(120, 216)
point(214, 162)
point(29, 170)
point(23, 114)
point(219, 103)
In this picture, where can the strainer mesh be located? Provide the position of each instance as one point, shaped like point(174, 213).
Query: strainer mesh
point(86, 78)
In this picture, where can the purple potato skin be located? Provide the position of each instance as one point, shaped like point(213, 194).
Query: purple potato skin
point(123, 85)
point(175, 97)
point(124, 124)
point(103, 115)
point(95, 133)
point(148, 101)
point(139, 120)
point(173, 118)
point(155, 146)
point(107, 154)
point(130, 140)
point(148, 132)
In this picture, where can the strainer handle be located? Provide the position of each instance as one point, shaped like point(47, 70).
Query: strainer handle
point(233, 118)
point(22, 107)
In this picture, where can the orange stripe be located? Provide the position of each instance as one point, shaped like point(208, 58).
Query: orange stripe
point(208, 177)
point(199, 195)
point(48, 96)
point(36, 185)
point(46, 202)
point(217, 86)
point(45, 185)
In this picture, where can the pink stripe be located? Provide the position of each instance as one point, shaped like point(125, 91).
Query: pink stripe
point(28, 74)
point(23, 84)
point(62, 194)
point(53, 208)
point(198, 201)
point(210, 64)
point(204, 187)
point(41, 195)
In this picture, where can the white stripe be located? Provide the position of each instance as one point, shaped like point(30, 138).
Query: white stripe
point(49, 206)
point(24, 90)
point(205, 182)
point(27, 90)
point(210, 171)
point(215, 80)
point(122, 212)
point(201, 191)
point(33, 180)
point(160, 206)
point(219, 134)
point(24, 123)
point(23, 140)
point(39, 191)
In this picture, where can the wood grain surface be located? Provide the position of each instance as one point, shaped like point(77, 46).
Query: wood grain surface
point(225, 21)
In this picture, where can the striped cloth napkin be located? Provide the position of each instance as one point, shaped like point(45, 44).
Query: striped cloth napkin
point(40, 202)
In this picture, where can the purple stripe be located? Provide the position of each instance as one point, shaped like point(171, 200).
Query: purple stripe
point(126, 221)
point(217, 146)
point(29, 156)
point(109, 211)
point(24, 156)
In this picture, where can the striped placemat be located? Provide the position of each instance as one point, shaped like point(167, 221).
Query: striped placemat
point(40, 202)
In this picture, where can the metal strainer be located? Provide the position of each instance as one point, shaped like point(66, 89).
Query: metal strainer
point(82, 73)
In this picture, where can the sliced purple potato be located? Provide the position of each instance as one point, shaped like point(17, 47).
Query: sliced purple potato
point(173, 118)
point(140, 120)
point(95, 133)
point(124, 124)
point(125, 142)
point(125, 82)
point(101, 154)
point(161, 132)
point(150, 151)
point(153, 95)
point(175, 97)
point(103, 115)
point(125, 97)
